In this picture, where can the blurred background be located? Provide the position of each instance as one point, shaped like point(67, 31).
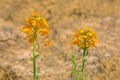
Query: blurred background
point(64, 17)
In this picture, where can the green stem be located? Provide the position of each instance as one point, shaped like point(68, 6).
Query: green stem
point(83, 64)
point(74, 67)
point(34, 56)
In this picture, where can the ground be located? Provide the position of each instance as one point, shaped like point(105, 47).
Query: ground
point(63, 17)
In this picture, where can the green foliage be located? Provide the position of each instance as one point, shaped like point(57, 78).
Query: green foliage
point(75, 73)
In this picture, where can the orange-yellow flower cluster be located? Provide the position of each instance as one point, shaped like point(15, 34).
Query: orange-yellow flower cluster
point(85, 37)
point(36, 25)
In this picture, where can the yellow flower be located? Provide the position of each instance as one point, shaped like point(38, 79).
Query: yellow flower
point(85, 37)
point(45, 23)
point(44, 32)
point(30, 40)
point(38, 18)
point(47, 42)
point(35, 24)
point(35, 13)
point(27, 29)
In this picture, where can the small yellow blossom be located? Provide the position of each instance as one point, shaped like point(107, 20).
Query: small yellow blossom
point(43, 32)
point(30, 40)
point(47, 42)
point(28, 30)
point(35, 13)
point(85, 37)
point(35, 25)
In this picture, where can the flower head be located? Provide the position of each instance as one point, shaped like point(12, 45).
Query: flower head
point(85, 37)
point(35, 25)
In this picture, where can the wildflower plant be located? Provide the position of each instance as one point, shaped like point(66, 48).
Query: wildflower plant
point(84, 38)
point(75, 73)
point(36, 27)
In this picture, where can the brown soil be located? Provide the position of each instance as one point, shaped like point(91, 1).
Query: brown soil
point(64, 17)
